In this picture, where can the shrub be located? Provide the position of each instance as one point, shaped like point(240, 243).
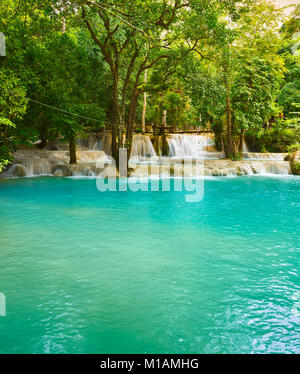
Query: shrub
point(283, 137)
point(295, 165)
point(236, 157)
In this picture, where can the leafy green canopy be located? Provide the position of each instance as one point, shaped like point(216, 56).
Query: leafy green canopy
point(220, 64)
point(12, 107)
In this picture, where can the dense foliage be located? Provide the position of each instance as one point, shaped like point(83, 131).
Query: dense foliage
point(77, 66)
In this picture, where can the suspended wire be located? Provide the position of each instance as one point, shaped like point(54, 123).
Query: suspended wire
point(78, 115)
point(64, 111)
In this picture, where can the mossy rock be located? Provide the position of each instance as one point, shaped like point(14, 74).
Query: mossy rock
point(239, 171)
point(66, 169)
point(254, 171)
point(18, 170)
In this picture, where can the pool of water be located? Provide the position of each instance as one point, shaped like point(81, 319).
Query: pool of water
point(85, 271)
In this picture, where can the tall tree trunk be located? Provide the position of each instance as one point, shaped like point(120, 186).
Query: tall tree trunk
point(43, 136)
point(131, 120)
point(63, 27)
point(115, 136)
point(164, 145)
point(43, 142)
point(144, 106)
point(231, 149)
point(163, 122)
point(72, 149)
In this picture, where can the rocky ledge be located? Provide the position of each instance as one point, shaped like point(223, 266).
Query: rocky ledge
point(55, 163)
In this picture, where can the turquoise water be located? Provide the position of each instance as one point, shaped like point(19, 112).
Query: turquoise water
point(146, 272)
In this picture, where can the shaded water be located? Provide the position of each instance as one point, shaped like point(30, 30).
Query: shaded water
point(125, 272)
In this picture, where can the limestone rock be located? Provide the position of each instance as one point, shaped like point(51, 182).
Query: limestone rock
point(17, 170)
point(66, 170)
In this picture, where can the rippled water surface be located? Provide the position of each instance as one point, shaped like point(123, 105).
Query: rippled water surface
point(124, 272)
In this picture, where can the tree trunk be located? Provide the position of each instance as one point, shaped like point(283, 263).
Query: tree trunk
point(114, 143)
point(163, 122)
point(63, 27)
point(164, 145)
point(115, 136)
point(144, 106)
point(43, 142)
point(42, 134)
point(231, 149)
point(72, 149)
point(131, 120)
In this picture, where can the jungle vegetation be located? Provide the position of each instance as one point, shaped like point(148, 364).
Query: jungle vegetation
point(229, 66)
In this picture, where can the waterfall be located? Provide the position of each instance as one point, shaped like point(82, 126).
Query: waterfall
point(235, 168)
point(142, 147)
point(214, 168)
point(272, 167)
point(184, 145)
point(87, 142)
point(100, 142)
point(103, 143)
point(245, 148)
point(181, 146)
point(38, 166)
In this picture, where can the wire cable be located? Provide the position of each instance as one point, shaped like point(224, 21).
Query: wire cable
point(64, 111)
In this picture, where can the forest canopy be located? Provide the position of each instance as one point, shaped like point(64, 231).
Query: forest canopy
point(76, 67)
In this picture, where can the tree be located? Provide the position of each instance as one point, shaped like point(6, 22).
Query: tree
point(59, 68)
point(12, 107)
point(289, 97)
point(134, 36)
point(243, 78)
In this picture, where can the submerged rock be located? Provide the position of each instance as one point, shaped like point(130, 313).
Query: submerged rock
point(65, 169)
point(18, 170)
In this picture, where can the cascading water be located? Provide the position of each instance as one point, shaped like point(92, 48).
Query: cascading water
point(142, 147)
point(103, 143)
point(185, 145)
point(38, 166)
point(272, 167)
point(100, 142)
point(181, 146)
point(245, 148)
